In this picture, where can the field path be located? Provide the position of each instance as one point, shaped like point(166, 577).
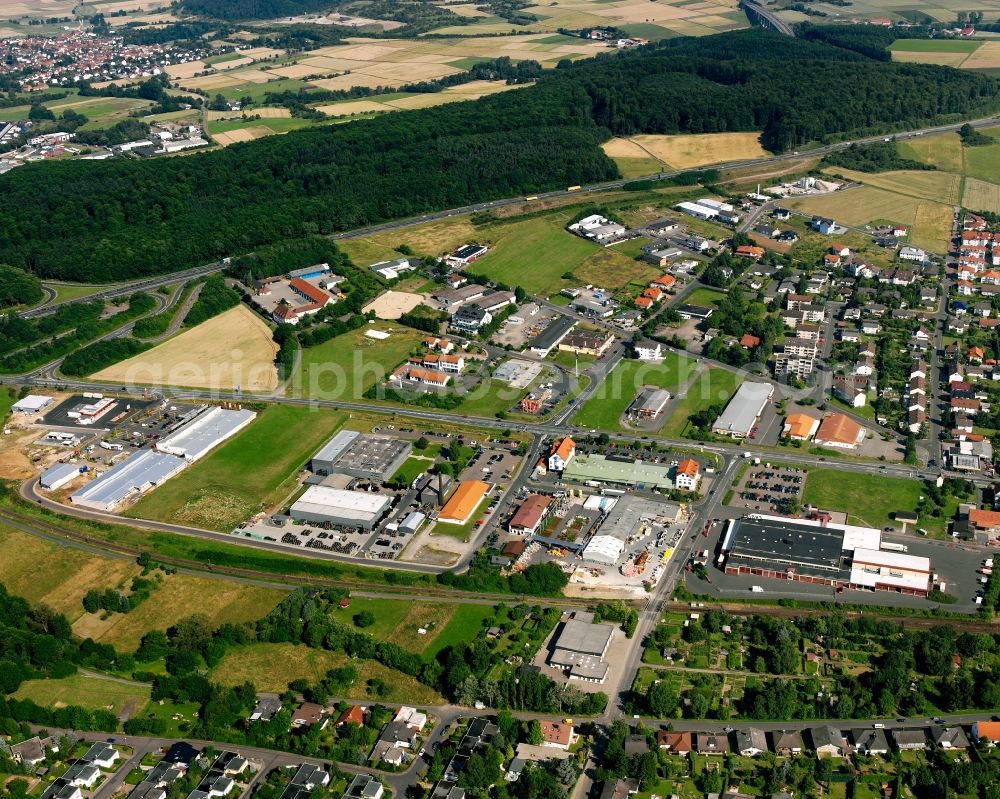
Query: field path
point(97, 675)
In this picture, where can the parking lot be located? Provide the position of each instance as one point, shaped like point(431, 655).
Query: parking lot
point(771, 489)
point(533, 320)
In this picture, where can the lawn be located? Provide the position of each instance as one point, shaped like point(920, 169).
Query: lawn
point(7, 399)
point(713, 386)
point(835, 489)
point(464, 625)
point(704, 296)
point(943, 151)
point(344, 367)
point(247, 474)
point(412, 467)
point(93, 693)
point(271, 667)
point(605, 409)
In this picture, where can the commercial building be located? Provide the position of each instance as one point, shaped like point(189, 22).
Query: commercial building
point(33, 403)
point(561, 453)
point(465, 255)
point(649, 403)
point(800, 427)
point(462, 504)
point(579, 646)
point(206, 431)
point(529, 517)
point(821, 552)
point(687, 475)
point(743, 410)
point(630, 516)
point(542, 344)
point(321, 504)
point(131, 478)
point(587, 342)
point(390, 270)
point(837, 430)
point(619, 471)
point(55, 477)
point(365, 456)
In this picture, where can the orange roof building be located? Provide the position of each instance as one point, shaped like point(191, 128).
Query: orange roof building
point(749, 251)
point(643, 303)
point(838, 430)
point(664, 281)
point(463, 502)
point(748, 342)
point(800, 427)
point(984, 519)
point(562, 452)
point(986, 731)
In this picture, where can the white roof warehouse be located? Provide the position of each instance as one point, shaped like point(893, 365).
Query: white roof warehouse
point(344, 508)
point(743, 410)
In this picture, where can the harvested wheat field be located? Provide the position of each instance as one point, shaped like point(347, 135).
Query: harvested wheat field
point(241, 135)
point(233, 349)
point(272, 113)
point(686, 152)
point(981, 195)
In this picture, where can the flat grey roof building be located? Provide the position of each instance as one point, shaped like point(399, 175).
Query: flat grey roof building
point(370, 457)
point(743, 410)
point(130, 478)
point(583, 638)
point(779, 545)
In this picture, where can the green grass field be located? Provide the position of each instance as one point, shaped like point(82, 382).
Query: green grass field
point(248, 473)
point(347, 366)
point(984, 162)
point(411, 467)
point(711, 387)
point(278, 125)
point(93, 693)
point(270, 667)
point(533, 254)
point(935, 45)
point(834, 489)
point(705, 296)
point(7, 399)
point(605, 409)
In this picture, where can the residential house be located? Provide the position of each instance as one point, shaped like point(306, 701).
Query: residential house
point(678, 743)
point(751, 741)
point(687, 475)
point(828, 741)
point(648, 350)
point(710, 743)
point(558, 735)
point(909, 739)
point(785, 743)
point(561, 453)
point(354, 714)
point(870, 741)
point(308, 714)
point(949, 737)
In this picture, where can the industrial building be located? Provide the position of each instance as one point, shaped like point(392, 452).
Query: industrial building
point(204, 432)
point(365, 456)
point(321, 504)
point(821, 552)
point(462, 504)
point(131, 478)
point(628, 516)
point(618, 470)
point(743, 410)
point(542, 344)
point(55, 477)
point(579, 646)
point(33, 403)
point(649, 403)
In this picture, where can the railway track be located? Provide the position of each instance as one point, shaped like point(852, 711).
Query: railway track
point(39, 528)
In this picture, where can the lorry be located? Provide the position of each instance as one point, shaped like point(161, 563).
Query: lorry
point(757, 589)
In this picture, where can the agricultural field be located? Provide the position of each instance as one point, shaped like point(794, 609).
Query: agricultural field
point(713, 386)
point(944, 52)
point(405, 101)
point(606, 407)
point(252, 471)
point(937, 185)
point(93, 693)
point(686, 151)
point(344, 367)
point(270, 667)
point(981, 195)
point(70, 573)
point(929, 222)
point(233, 349)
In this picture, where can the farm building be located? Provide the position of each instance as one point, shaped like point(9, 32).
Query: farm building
point(370, 457)
point(463, 502)
point(131, 478)
point(359, 509)
point(743, 410)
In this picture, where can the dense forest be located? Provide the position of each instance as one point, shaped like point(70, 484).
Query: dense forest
point(254, 9)
point(18, 287)
point(877, 157)
point(117, 219)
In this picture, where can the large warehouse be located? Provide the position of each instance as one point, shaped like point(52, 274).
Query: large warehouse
point(320, 504)
point(463, 502)
point(618, 470)
point(802, 550)
point(743, 410)
point(205, 431)
point(129, 479)
point(365, 456)
point(579, 648)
